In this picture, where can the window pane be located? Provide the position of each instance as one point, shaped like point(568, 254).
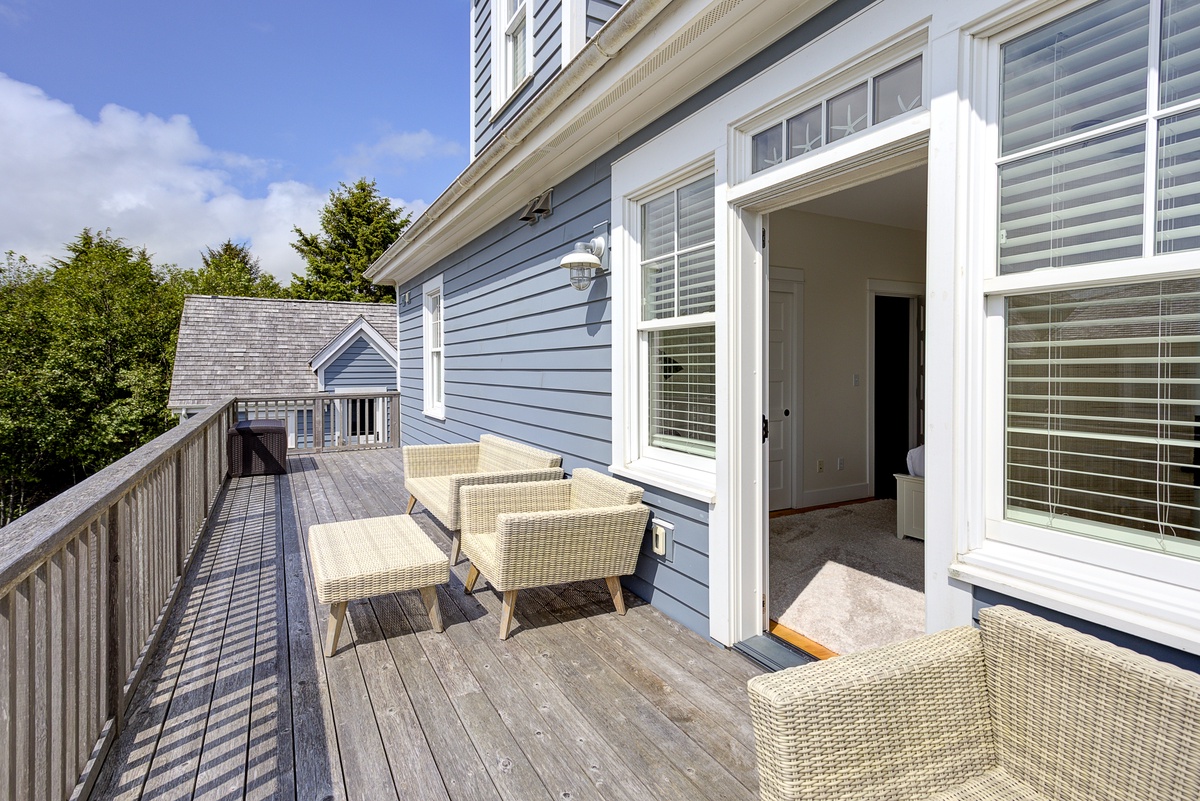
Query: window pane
point(658, 227)
point(1178, 199)
point(517, 45)
point(804, 132)
point(682, 415)
point(846, 113)
point(1077, 73)
point(1075, 205)
point(697, 282)
point(768, 148)
point(1178, 71)
point(1103, 413)
point(696, 213)
point(658, 289)
point(898, 90)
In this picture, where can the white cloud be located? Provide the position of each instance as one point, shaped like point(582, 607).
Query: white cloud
point(150, 180)
point(393, 150)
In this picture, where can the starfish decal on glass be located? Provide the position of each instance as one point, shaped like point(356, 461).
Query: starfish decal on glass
point(810, 142)
point(851, 125)
point(916, 101)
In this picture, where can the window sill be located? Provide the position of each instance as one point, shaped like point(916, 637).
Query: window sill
point(1155, 610)
point(436, 414)
point(500, 106)
point(695, 484)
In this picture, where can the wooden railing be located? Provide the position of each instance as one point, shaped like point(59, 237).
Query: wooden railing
point(337, 421)
point(86, 581)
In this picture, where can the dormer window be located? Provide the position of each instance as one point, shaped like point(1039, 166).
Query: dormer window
point(513, 62)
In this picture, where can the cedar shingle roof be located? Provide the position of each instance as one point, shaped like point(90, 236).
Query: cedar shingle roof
point(255, 346)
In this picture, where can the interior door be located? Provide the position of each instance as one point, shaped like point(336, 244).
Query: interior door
point(781, 395)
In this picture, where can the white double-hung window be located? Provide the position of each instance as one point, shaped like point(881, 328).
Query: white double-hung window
point(677, 329)
point(512, 56)
point(1094, 302)
point(433, 352)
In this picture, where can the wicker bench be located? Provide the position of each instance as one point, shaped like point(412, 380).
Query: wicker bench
point(361, 558)
point(1020, 710)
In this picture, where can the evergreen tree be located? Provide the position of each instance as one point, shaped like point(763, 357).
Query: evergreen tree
point(357, 226)
point(230, 270)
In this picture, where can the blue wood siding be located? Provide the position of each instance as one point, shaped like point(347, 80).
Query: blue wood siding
point(598, 13)
point(546, 41)
point(985, 598)
point(360, 365)
point(527, 356)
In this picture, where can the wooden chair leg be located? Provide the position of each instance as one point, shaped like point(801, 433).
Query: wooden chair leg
point(506, 613)
point(412, 501)
point(337, 613)
point(614, 589)
point(429, 596)
point(455, 541)
point(472, 577)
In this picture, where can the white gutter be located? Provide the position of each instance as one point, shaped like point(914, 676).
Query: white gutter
point(626, 23)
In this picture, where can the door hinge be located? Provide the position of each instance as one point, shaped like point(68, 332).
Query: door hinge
point(766, 428)
point(764, 237)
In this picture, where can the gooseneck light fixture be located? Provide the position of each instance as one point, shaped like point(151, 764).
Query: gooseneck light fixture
point(585, 263)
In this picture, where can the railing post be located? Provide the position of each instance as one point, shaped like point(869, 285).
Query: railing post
point(180, 510)
point(394, 431)
point(319, 425)
point(114, 648)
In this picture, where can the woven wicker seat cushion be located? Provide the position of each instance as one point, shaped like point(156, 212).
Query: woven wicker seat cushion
point(1079, 719)
point(994, 785)
point(361, 558)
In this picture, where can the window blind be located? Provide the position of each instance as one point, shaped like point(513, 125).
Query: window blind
point(1178, 213)
point(1103, 413)
point(1080, 72)
point(679, 260)
point(1179, 64)
point(683, 411)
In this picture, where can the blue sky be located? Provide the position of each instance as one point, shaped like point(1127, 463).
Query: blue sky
point(179, 125)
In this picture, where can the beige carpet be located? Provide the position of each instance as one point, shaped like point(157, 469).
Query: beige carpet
point(842, 578)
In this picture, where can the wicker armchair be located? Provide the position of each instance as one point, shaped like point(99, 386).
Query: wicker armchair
point(517, 536)
point(1021, 709)
point(435, 474)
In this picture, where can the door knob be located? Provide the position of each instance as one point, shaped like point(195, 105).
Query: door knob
point(786, 412)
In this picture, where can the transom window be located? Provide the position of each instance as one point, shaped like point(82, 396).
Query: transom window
point(877, 99)
point(678, 320)
point(1100, 136)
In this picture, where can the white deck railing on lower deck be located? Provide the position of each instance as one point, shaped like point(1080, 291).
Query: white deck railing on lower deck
point(85, 583)
point(331, 421)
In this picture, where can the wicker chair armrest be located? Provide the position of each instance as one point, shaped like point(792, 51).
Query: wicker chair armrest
point(422, 461)
point(534, 549)
point(900, 722)
point(480, 504)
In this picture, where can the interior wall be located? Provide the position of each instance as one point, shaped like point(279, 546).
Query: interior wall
point(839, 257)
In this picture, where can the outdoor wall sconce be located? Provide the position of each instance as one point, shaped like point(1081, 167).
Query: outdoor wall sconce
point(584, 262)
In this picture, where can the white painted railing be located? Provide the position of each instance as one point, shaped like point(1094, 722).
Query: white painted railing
point(331, 421)
point(86, 581)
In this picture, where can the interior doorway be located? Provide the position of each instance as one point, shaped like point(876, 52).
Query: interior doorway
point(843, 394)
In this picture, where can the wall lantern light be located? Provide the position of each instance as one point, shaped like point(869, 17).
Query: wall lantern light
point(585, 263)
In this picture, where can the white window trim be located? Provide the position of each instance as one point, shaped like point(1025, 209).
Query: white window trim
point(1148, 594)
point(690, 476)
point(431, 407)
point(502, 91)
point(574, 28)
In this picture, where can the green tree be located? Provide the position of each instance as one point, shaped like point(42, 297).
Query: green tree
point(230, 270)
point(357, 226)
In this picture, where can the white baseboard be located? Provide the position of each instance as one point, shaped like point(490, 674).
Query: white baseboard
point(850, 492)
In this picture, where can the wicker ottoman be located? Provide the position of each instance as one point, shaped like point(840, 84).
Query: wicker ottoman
point(360, 558)
point(258, 448)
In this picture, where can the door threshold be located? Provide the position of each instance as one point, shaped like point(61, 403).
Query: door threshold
point(810, 647)
point(772, 653)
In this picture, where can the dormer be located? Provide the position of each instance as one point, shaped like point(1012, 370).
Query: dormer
point(517, 46)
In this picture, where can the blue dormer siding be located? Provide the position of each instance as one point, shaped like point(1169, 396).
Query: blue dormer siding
point(489, 118)
point(360, 365)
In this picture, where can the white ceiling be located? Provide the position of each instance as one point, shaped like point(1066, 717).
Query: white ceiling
point(898, 200)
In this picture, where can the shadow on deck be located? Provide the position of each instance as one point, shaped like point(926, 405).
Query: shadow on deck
point(579, 703)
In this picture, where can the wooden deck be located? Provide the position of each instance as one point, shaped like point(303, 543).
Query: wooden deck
point(577, 704)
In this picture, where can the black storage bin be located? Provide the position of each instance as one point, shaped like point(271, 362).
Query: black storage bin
point(258, 448)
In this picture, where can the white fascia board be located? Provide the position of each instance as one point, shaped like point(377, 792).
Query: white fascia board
point(575, 119)
point(339, 343)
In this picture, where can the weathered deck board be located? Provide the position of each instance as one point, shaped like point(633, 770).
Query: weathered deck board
point(579, 703)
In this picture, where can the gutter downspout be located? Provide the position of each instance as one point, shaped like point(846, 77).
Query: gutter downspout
point(626, 23)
